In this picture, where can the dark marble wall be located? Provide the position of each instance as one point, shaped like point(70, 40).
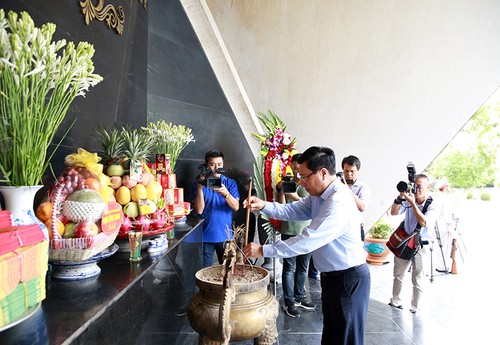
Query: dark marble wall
point(120, 59)
point(183, 89)
point(156, 70)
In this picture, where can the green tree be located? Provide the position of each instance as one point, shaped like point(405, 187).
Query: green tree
point(476, 166)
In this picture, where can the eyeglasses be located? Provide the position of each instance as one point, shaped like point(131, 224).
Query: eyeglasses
point(304, 178)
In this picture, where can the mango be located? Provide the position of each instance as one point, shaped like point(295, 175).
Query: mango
point(123, 195)
point(138, 192)
point(154, 190)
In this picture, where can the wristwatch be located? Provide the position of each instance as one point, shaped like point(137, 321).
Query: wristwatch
point(398, 201)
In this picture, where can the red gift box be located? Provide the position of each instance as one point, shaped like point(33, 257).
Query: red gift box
point(168, 196)
point(178, 195)
point(173, 196)
point(163, 163)
point(167, 181)
point(13, 237)
point(176, 210)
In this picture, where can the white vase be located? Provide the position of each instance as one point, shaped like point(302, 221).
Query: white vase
point(19, 202)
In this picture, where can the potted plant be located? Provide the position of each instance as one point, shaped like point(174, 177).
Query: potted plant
point(39, 79)
point(375, 242)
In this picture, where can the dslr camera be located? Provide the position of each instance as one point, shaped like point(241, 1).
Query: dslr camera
point(206, 179)
point(410, 186)
point(288, 185)
point(340, 175)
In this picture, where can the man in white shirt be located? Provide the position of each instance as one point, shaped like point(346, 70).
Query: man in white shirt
point(360, 190)
point(332, 237)
point(416, 213)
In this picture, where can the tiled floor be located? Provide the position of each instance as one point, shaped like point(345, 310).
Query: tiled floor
point(456, 307)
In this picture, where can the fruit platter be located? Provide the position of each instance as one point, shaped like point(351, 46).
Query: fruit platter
point(142, 201)
point(147, 191)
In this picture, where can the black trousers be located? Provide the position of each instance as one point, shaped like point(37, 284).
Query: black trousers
point(345, 296)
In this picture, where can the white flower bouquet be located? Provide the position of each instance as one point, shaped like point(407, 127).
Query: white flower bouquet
point(170, 139)
point(38, 81)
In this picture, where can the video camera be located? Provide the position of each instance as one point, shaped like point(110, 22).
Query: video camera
point(206, 179)
point(340, 175)
point(288, 185)
point(410, 186)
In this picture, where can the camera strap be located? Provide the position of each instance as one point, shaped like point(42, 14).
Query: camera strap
point(424, 209)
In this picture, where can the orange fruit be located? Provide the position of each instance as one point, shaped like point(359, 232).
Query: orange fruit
point(59, 228)
point(44, 211)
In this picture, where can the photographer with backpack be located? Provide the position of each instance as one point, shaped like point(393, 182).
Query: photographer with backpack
point(420, 215)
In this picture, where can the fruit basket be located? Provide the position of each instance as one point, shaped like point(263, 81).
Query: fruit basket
point(82, 222)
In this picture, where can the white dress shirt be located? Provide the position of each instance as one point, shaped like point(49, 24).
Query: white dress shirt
point(333, 234)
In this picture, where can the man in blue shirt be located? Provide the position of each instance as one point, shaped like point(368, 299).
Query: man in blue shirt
point(216, 207)
point(332, 237)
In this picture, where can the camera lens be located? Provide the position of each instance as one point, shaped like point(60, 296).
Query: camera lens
point(402, 186)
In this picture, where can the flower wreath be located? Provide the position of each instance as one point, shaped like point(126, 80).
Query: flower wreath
point(276, 148)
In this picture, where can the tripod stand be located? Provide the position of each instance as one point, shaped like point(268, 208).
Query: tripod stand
point(459, 235)
point(440, 243)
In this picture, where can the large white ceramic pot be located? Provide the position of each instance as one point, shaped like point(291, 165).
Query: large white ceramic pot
point(19, 202)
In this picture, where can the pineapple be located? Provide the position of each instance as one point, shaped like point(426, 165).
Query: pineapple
point(137, 145)
point(136, 149)
point(112, 145)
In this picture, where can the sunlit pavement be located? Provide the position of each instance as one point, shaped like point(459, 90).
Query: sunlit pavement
point(458, 308)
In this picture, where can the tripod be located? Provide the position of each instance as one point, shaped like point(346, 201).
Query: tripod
point(440, 243)
point(459, 235)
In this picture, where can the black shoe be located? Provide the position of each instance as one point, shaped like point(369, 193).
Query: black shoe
point(291, 309)
point(182, 311)
point(442, 271)
point(396, 306)
point(305, 304)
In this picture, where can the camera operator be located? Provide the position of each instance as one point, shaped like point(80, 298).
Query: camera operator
point(412, 206)
point(294, 268)
point(360, 190)
point(215, 204)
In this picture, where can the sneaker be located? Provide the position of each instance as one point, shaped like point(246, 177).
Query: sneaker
point(291, 309)
point(305, 304)
point(182, 311)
